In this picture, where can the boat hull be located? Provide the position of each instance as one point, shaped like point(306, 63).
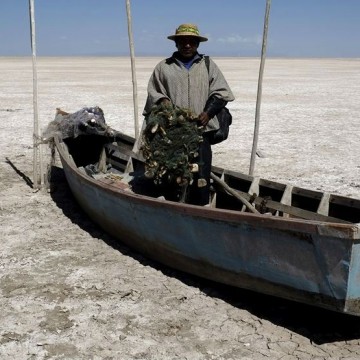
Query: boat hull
point(305, 261)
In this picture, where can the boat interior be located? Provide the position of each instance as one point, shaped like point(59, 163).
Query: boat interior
point(115, 163)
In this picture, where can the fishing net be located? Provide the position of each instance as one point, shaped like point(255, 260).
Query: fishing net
point(88, 120)
point(170, 144)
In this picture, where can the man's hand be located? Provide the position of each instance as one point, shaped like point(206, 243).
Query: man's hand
point(165, 102)
point(203, 118)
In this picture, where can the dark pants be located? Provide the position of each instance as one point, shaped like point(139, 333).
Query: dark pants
point(200, 195)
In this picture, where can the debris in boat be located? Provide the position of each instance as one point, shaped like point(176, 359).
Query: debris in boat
point(202, 182)
point(93, 169)
point(170, 145)
point(262, 207)
point(61, 112)
point(194, 168)
point(114, 176)
point(88, 120)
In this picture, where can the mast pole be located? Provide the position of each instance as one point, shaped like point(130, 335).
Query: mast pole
point(133, 69)
point(259, 90)
point(37, 155)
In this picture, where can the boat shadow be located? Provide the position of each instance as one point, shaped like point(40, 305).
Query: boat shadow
point(320, 326)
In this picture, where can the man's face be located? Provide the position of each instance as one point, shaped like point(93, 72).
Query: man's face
point(187, 46)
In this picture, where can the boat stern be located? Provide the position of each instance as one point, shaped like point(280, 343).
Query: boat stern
point(352, 303)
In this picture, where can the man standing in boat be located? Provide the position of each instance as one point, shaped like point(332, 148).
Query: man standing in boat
point(188, 80)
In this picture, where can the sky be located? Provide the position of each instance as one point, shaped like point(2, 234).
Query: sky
point(297, 28)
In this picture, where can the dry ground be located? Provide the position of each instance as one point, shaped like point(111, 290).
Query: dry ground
point(68, 292)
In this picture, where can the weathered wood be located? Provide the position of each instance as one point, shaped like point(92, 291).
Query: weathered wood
point(102, 161)
point(124, 151)
point(133, 69)
point(324, 204)
point(290, 258)
point(259, 90)
point(38, 175)
point(236, 194)
point(286, 198)
point(287, 209)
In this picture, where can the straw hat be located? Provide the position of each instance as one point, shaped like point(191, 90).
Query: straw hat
point(187, 30)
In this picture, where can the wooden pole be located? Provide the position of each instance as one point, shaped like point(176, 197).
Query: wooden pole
point(133, 69)
point(259, 91)
point(37, 160)
point(234, 193)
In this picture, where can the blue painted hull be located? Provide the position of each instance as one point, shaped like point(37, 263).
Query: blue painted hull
point(306, 261)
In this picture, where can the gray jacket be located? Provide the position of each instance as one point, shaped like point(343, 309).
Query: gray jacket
point(187, 88)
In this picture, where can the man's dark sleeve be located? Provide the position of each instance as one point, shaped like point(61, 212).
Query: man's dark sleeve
point(214, 105)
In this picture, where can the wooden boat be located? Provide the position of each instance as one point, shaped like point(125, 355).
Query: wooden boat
point(300, 244)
